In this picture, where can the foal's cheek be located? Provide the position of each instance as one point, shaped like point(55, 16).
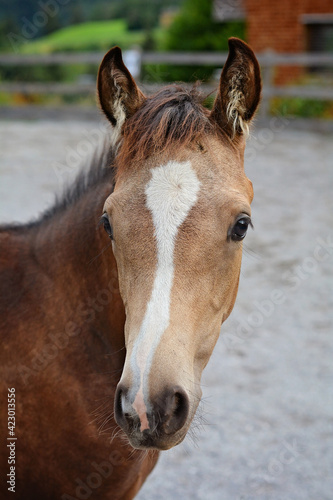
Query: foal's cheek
point(231, 293)
point(225, 286)
point(208, 342)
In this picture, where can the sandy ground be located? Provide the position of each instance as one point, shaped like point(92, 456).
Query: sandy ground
point(266, 425)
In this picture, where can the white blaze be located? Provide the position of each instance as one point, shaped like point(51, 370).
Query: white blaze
point(170, 194)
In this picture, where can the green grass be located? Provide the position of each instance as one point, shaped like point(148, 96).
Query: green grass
point(300, 107)
point(99, 35)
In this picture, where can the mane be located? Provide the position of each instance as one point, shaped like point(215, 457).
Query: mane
point(172, 117)
point(100, 169)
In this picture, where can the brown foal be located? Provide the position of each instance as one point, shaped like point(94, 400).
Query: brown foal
point(105, 334)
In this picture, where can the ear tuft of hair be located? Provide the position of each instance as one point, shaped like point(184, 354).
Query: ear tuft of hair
point(239, 91)
point(236, 108)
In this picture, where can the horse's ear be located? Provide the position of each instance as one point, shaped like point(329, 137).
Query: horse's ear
point(239, 91)
point(118, 94)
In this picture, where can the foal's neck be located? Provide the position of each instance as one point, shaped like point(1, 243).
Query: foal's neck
point(75, 256)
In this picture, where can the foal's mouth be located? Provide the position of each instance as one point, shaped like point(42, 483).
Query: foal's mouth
point(156, 437)
point(147, 440)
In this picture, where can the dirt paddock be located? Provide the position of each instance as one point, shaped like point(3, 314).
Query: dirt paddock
point(264, 431)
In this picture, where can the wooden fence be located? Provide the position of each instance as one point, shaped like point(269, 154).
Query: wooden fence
point(135, 59)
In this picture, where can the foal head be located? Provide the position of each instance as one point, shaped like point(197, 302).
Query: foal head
point(177, 217)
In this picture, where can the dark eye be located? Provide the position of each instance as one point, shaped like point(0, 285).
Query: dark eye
point(107, 226)
point(239, 230)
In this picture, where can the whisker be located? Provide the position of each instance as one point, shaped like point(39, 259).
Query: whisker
point(100, 253)
point(254, 254)
point(116, 352)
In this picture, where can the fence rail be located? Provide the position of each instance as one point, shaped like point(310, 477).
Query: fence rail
point(268, 58)
point(268, 61)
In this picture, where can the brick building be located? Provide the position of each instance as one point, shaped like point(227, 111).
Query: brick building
point(282, 26)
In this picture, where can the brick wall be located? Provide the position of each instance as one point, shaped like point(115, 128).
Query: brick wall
point(277, 25)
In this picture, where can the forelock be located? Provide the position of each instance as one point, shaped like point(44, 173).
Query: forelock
point(171, 118)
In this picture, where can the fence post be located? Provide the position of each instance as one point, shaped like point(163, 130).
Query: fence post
point(267, 68)
point(133, 61)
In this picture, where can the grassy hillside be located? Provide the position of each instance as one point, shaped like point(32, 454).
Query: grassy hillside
point(97, 35)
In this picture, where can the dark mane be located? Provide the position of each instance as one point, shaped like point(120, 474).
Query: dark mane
point(99, 170)
point(172, 117)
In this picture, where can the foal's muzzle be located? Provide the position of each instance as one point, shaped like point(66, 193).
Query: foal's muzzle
point(166, 415)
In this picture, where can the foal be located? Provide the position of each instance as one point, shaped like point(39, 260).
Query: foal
point(111, 330)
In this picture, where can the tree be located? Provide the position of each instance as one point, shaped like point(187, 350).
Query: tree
point(195, 29)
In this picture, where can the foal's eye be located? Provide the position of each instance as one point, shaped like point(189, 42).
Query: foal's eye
point(239, 230)
point(107, 226)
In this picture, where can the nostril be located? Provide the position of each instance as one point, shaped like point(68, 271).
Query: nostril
point(118, 406)
point(179, 402)
point(120, 416)
point(177, 412)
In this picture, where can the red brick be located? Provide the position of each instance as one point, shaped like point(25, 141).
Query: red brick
point(277, 25)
